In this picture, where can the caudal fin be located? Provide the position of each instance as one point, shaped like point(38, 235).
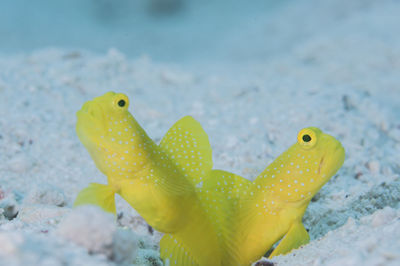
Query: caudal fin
point(97, 194)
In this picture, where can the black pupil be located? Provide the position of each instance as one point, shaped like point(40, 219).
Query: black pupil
point(121, 103)
point(306, 138)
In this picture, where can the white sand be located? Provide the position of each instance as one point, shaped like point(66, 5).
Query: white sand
point(339, 70)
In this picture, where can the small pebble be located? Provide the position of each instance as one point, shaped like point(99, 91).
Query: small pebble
point(383, 216)
point(19, 164)
point(373, 166)
point(90, 227)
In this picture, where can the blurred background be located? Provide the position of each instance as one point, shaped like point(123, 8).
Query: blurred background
point(166, 30)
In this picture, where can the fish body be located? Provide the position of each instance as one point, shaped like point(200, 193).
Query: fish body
point(159, 181)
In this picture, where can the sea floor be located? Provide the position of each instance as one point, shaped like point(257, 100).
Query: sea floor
point(341, 74)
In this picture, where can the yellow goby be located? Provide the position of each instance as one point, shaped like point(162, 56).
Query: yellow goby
point(272, 206)
point(159, 181)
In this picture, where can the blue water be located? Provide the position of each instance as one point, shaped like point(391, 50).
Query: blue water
point(165, 30)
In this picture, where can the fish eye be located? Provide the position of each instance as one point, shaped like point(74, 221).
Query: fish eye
point(121, 103)
point(307, 138)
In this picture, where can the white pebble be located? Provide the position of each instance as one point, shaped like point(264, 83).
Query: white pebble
point(45, 194)
point(382, 217)
point(90, 227)
point(373, 166)
point(19, 164)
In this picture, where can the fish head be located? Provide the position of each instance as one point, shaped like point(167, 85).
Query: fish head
point(102, 119)
point(109, 132)
point(299, 173)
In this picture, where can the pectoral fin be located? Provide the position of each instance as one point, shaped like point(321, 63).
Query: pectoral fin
point(295, 237)
point(97, 194)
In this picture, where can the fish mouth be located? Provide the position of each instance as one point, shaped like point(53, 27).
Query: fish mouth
point(321, 163)
point(91, 110)
point(91, 116)
point(332, 159)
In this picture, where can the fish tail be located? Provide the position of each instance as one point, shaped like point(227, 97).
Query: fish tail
point(97, 194)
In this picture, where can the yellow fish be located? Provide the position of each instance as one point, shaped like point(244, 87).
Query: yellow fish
point(159, 181)
point(251, 217)
point(274, 204)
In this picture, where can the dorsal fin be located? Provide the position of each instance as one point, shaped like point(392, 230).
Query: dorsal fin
point(187, 145)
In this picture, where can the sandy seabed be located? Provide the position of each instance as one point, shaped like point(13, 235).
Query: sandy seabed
point(344, 80)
